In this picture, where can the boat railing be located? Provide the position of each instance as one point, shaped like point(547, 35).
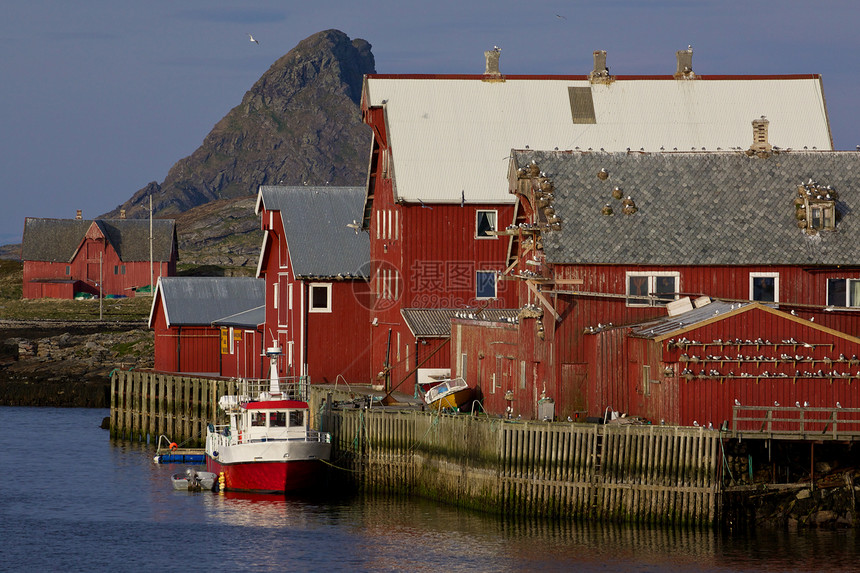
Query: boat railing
point(222, 435)
point(287, 387)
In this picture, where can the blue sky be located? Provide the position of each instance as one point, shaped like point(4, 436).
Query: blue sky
point(101, 97)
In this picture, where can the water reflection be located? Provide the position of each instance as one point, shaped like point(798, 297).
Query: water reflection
point(72, 499)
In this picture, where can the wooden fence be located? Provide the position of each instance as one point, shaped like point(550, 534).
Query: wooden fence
point(651, 474)
point(146, 404)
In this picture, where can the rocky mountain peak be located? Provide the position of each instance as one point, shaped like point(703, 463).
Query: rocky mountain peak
point(299, 124)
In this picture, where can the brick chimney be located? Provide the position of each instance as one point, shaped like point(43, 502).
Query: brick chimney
point(79, 215)
point(760, 142)
point(600, 73)
point(685, 64)
point(492, 72)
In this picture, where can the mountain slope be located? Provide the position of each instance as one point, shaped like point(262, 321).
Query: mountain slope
point(300, 123)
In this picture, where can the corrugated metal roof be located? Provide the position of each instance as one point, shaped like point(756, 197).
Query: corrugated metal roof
point(698, 208)
point(436, 322)
point(56, 240)
point(315, 223)
point(668, 325)
point(453, 135)
point(197, 301)
point(248, 319)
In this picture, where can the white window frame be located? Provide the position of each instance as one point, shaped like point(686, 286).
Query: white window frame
point(848, 301)
point(495, 284)
point(495, 225)
point(774, 276)
point(652, 287)
point(311, 287)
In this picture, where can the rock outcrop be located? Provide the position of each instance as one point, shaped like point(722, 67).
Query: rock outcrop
point(299, 124)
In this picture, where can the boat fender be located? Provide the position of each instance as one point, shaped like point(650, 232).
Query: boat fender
point(173, 446)
point(240, 436)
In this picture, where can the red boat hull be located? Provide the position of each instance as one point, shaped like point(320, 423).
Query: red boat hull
point(268, 477)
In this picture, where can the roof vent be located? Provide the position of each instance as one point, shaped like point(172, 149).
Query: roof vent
point(492, 73)
point(600, 73)
point(685, 64)
point(79, 215)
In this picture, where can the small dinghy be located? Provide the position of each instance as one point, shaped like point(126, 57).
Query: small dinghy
point(192, 480)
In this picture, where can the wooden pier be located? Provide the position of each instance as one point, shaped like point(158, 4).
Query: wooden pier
point(650, 474)
point(653, 474)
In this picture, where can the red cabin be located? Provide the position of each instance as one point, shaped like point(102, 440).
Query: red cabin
point(208, 325)
point(65, 258)
point(315, 264)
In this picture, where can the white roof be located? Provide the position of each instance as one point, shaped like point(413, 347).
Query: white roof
point(453, 136)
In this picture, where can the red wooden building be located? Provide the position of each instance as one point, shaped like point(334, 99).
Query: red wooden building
point(315, 265)
point(609, 240)
point(209, 325)
point(437, 186)
point(108, 257)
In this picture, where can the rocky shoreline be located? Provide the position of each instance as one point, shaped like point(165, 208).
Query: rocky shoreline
point(66, 363)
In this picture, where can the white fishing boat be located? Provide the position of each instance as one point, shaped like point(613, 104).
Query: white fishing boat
point(268, 445)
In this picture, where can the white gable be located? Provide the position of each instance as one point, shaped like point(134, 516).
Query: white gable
point(452, 137)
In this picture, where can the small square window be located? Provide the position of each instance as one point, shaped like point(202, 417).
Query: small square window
point(320, 297)
point(764, 287)
point(485, 221)
point(485, 284)
point(297, 418)
point(821, 216)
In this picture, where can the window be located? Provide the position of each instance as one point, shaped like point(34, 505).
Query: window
point(463, 361)
point(297, 418)
point(764, 287)
point(320, 295)
point(485, 221)
point(278, 419)
point(258, 419)
point(485, 284)
point(68, 270)
point(821, 216)
point(649, 288)
point(843, 292)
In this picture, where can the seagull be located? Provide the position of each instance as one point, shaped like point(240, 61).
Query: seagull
point(560, 17)
point(775, 403)
point(695, 423)
point(805, 404)
point(737, 402)
point(838, 405)
point(252, 39)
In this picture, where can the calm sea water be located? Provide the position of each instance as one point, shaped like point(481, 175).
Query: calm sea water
point(73, 500)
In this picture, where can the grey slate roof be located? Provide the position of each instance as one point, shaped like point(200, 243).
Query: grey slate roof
point(315, 223)
point(199, 301)
point(56, 240)
point(715, 208)
point(436, 322)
